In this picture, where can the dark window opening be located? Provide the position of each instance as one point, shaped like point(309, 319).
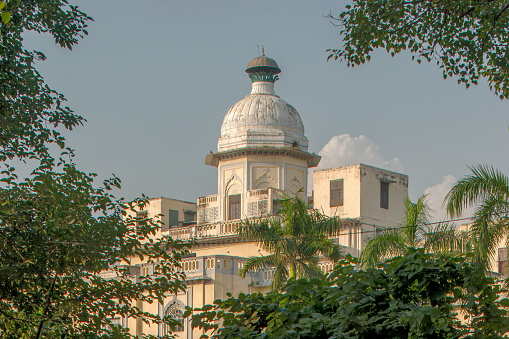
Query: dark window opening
point(234, 206)
point(173, 218)
point(295, 144)
point(276, 206)
point(384, 195)
point(189, 216)
point(336, 192)
point(502, 261)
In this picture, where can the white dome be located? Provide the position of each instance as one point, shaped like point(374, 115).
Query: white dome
point(262, 119)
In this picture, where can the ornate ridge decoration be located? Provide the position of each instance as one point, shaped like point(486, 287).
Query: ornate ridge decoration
point(263, 76)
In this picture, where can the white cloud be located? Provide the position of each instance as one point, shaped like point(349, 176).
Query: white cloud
point(344, 150)
point(436, 195)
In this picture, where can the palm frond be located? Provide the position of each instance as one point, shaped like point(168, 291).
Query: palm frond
point(323, 245)
point(329, 226)
point(295, 240)
point(265, 233)
point(280, 277)
point(308, 269)
point(488, 229)
point(485, 181)
point(445, 238)
point(417, 216)
point(256, 263)
point(389, 243)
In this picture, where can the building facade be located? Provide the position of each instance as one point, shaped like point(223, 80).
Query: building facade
point(262, 155)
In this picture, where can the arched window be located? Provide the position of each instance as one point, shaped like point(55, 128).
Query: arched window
point(233, 193)
point(174, 312)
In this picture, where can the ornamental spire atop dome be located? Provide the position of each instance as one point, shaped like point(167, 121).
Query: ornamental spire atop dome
point(262, 119)
point(263, 69)
point(263, 124)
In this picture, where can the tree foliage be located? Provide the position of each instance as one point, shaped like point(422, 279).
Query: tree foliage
point(488, 190)
point(468, 39)
point(30, 111)
point(294, 240)
point(58, 238)
point(412, 296)
point(416, 231)
point(66, 245)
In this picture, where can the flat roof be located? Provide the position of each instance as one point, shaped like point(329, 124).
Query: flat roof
point(187, 202)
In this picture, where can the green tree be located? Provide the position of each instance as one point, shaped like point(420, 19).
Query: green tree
point(58, 236)
point(60, 233)
point(416, 231)
point(417, 295)
point(31, 113)
point(488, 190)
point(295, 239)
point(468, 39)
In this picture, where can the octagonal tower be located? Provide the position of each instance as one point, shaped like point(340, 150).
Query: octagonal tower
point(262, 153)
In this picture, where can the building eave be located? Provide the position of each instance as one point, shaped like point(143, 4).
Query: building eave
point(213, 159)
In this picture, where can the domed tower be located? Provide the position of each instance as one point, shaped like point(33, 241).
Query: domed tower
point(262, 153)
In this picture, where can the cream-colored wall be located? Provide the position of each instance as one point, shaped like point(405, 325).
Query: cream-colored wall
point(157, 206)
point(371, 212)
point(361, 194)
point(361, 200)
point(240, 249)
point(247, 173)
point(178, 205)
point(351, 191)
point(204, 285)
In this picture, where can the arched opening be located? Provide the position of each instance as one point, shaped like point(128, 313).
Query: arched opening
point(174, 312)
point(234, 206)
point(233, 199)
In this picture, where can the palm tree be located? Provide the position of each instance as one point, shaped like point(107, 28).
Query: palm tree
point(295, 239)
point(416, 231)
point(488, 190)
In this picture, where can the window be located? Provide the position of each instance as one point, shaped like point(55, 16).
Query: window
point(145, 270)
point(140, 216)
point(114, 322)
point(173, 217)
point(210, 263)
point(234, 206)
point(276, 206)
point(384, 195)
point(174, 313)
point(502, 261)
point(189, 216)
point(336, 192)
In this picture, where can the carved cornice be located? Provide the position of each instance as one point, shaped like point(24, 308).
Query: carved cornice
point(213, 159)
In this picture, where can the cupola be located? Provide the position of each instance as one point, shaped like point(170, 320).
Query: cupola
point(262, 118)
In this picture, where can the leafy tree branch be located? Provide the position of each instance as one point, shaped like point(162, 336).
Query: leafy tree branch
point(467, 39)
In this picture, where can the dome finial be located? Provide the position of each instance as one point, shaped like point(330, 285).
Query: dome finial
point(263, 69)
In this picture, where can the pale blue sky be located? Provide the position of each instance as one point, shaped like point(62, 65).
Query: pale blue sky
point(154, 79)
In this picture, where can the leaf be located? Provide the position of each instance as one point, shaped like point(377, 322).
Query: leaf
point(6, 17)
point(504, 302)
